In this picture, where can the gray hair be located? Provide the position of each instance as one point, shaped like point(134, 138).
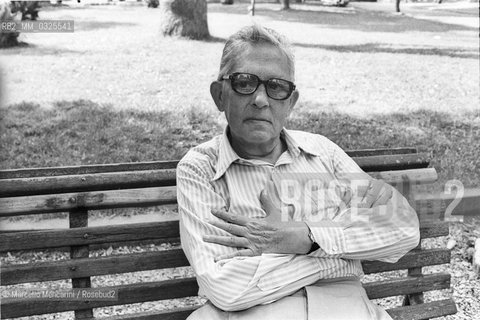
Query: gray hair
point(253, 35)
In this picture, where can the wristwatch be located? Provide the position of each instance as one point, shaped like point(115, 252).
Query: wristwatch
point(315, 245)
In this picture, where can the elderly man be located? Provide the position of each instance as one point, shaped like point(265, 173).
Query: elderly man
point(275, 221)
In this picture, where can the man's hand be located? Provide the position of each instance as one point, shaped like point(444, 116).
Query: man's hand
point(376, 193)
point(254, 236)
point(275, 233)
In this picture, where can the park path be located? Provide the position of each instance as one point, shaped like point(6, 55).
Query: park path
point(117, 57)
point(460, 13)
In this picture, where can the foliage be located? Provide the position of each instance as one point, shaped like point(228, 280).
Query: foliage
point(153, 3)
point(7, 39)
point(83, 132)
point(27, 9)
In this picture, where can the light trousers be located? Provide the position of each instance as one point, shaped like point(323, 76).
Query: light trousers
point(332, 299)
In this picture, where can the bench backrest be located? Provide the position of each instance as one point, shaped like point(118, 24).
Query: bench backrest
point(78, 190)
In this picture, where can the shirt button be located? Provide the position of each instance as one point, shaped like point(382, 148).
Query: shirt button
point(334, 249)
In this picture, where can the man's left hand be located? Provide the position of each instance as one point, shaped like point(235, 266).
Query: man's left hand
point(254, 236)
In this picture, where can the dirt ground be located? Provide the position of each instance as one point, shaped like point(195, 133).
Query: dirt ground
point(357, 60)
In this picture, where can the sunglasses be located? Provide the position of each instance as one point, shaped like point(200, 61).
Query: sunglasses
point(246, 83)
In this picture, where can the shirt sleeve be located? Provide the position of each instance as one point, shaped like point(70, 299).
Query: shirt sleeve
point(384, 233)
point(242, 282)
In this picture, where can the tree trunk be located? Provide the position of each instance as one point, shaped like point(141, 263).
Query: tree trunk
point(285, 4)
point(185, 18)
point(397, 5)
point(7, 39)
point(251, 8)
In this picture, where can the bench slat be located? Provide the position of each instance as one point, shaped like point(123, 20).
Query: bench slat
point(152, 165)
point(380, 152)
point(164, 177)
point(416, 258)
point(178, 288)
point(133, 293)
point(393, 162)
point(95, 200)
point(86, 169)
point(66, 269)
point(417, 176)
point(407, 285)
point(418, 312)
point(424, 311)
point(176, 314)
point(433, 206)
point(87, 182)
point(11, 241)
point(167, 230)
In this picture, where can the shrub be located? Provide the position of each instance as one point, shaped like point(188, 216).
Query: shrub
point(27, 9)
point(153, 3)
point(7, 39)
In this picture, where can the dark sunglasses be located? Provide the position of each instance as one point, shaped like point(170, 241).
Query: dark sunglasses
point(246, 83)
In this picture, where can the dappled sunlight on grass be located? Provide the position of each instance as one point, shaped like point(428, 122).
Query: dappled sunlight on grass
point(83, 132)
point(452, 142)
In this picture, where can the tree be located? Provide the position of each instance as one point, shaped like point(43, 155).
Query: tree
point(28, 10)
point(397, 5)
point(7, 39)
point(186, 18)
point(285, 4)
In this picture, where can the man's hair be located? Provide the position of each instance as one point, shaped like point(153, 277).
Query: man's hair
point(253, 35)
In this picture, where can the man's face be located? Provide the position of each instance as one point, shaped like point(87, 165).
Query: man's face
point(257, 119)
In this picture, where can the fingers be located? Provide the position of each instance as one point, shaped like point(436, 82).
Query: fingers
point(378, 193)
point(273, 206)
point(270, 199)
point(346, 199)
point(272, 192)
point(385, 196)
point(229, 227)
point(232, 241)
point(266, 202)
point(235, 219)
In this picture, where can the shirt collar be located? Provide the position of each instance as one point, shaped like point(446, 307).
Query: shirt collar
point(298, 143)
point(227, 156)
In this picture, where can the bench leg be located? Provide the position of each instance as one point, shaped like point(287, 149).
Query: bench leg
point(79, 218)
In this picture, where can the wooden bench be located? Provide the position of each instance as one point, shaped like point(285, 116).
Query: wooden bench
point(77, 190)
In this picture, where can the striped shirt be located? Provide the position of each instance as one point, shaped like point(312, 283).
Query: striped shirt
point(311, 175)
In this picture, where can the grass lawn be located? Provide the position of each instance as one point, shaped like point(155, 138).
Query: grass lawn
point(366, 79)
point(116, 91)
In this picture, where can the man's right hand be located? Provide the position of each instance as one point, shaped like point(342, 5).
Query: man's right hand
point(276, 210)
